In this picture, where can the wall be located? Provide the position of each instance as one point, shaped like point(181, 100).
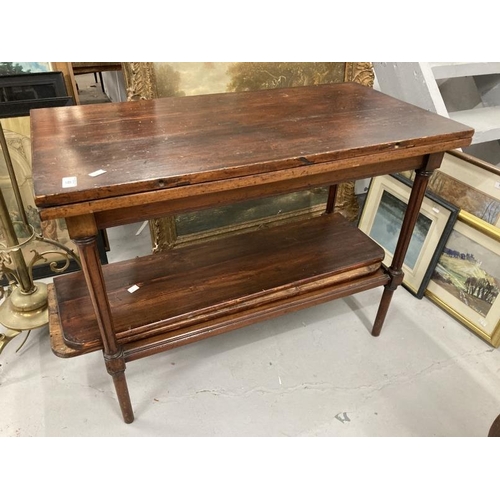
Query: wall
point(114, 85)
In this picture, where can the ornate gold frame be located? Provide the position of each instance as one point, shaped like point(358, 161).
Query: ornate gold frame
point(141, 83)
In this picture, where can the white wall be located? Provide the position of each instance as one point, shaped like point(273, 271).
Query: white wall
point(114, 85)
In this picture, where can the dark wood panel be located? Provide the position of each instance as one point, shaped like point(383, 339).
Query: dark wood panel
point(157, 144)
point(186, 198)
point(210, 196)
point(211, 327)
point(218, 277)
point(81, 68)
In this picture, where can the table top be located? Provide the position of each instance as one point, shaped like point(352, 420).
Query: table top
point(146, 146)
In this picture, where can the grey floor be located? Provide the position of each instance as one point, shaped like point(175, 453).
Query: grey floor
point(316, 372)
point(90, 89)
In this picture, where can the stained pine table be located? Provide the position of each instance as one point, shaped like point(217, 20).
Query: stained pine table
point(173, 155)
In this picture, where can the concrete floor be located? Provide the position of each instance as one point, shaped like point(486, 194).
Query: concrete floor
point(90, 89)
point(316, 372)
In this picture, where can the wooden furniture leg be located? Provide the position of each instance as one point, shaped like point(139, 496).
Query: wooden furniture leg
point(332, 196)
point(83, 231)
point(395, 271)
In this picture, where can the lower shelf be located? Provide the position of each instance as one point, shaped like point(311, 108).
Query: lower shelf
point(198, 291)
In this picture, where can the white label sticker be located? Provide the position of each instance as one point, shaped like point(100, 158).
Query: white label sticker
point(97, 172)
point(133, 289)
point(483, 322)
point(497, 184)
point(435, 209)
point(69, 182)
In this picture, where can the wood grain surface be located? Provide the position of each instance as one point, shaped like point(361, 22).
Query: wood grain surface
point(162, 143)
point(212, 279)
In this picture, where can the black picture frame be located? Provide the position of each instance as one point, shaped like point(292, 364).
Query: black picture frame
point(23, 92)
point(441, 214)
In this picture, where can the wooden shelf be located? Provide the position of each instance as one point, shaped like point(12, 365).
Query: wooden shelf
point(205, 289)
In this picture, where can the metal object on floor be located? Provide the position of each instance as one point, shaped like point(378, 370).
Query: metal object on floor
point(25, 305)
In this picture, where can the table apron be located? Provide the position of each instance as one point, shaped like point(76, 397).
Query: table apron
point(215, 198)
point(143, 206)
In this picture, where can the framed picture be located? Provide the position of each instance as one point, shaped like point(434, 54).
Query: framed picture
point(21, 68)
point(170, 79)
point(471, 184)
point(18, 68)
point(382, 218)
point(26, 91)
point(466, 279)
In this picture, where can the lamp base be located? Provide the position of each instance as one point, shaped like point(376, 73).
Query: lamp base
point(23, 311)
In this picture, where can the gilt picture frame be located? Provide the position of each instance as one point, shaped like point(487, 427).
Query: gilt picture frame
point(466, 280)
point(381, 219)
point(162, 79)
point(471, 184)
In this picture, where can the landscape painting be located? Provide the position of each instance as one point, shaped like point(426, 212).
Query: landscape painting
point(466, 280)
point(468, 183)
point(387, 226)
point(205, 221)
point(469, 272)
point(16, 68)
point(195, 78)
point(382, 218)
point(177, 79)
point(466, 197)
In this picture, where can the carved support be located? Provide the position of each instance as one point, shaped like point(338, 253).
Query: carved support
point(140, 80)
point(83, 231)
point(163, 233)
point(360, 72)
point(411, 215)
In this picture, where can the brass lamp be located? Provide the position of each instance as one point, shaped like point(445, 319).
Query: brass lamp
point(24, 305)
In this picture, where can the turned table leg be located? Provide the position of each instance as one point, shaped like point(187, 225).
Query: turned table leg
point(83, 231)
point(395, 270)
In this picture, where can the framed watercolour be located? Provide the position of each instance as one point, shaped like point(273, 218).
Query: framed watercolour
point(382, 217)
point(471, 184)
point(466, 280)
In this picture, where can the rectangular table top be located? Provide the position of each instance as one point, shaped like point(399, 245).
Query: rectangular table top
point(146, 146)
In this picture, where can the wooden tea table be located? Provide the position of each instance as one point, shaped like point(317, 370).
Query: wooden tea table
point(173, 155)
